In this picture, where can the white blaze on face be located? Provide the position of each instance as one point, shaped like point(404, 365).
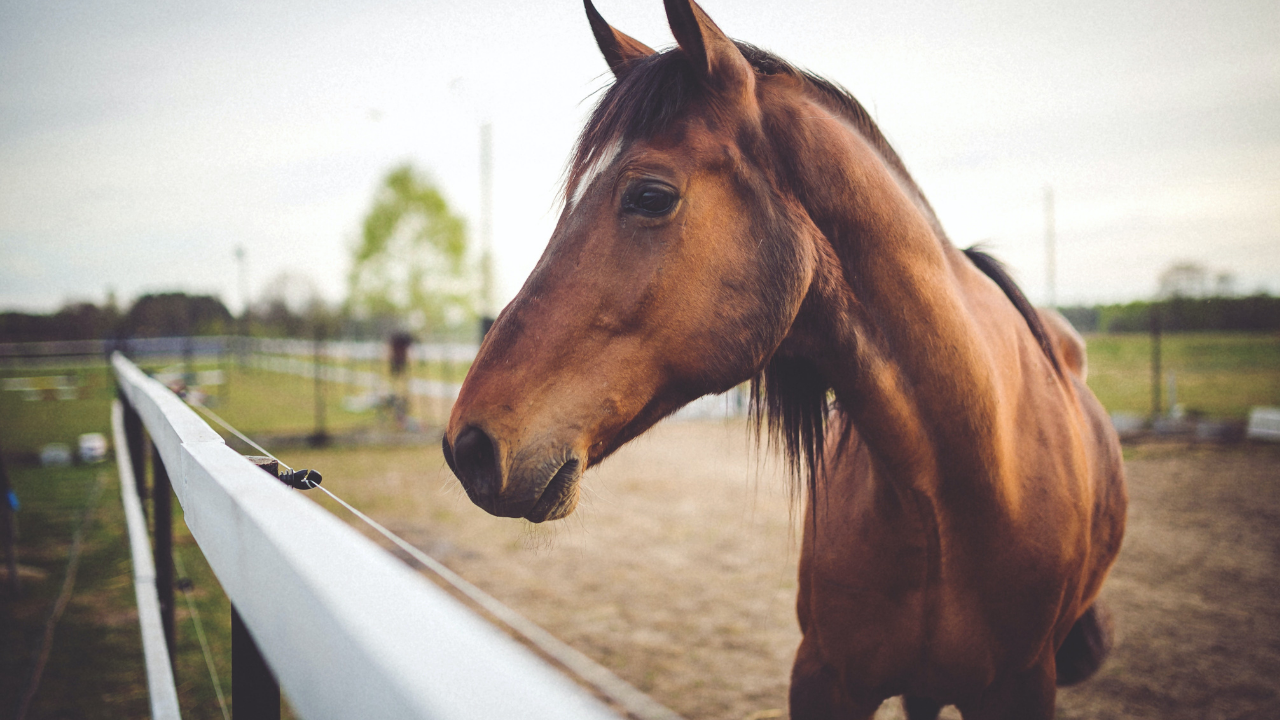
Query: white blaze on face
point(602, 162)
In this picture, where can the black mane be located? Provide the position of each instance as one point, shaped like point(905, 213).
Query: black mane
point(995, 270)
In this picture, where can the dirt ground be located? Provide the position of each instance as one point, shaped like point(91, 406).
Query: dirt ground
point(678, 572)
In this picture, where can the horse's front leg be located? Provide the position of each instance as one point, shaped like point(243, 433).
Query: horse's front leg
point(817, 692)
point(1029, 695)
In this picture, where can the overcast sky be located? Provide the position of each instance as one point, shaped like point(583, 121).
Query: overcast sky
point(141, 142)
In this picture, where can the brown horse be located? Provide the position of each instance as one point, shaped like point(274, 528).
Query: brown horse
point(729, 217)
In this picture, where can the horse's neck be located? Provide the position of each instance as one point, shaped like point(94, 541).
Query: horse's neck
point(896, 336)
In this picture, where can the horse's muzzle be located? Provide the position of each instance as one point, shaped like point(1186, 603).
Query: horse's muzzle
point(536, 491)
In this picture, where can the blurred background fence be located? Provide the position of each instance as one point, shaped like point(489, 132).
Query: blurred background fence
point(289, 391)
point(284, 391)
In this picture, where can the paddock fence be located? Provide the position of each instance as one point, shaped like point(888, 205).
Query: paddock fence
point(436, 367)
point(343, 627)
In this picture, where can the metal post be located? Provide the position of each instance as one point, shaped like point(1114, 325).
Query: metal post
point(486, 219)
point(1050, 248)
point(437, 401)
point(351, 365)
point(164, 545)
point(1155, 361)
point(255, 693)
point(224, 393)
point(188, 360)
point(320, 437)
point(446, 377)
point(137, 448)
point(242, 323)
point(9, 530)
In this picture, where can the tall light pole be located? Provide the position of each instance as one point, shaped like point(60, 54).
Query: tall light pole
point(486, 220)
point(1050, 249)
point(243, 270)
point(244, 280)
point(487, 303)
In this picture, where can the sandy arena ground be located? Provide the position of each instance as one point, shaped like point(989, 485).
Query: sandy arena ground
point(678, 572)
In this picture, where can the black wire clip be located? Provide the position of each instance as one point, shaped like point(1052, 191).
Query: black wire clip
point(301, 479)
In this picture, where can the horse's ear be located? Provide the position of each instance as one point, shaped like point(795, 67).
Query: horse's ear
point(620, 50)
point(716, 59)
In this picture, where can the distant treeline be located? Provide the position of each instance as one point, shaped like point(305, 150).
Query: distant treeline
point(179, 314)
point(159, 315)
point(1255, 313)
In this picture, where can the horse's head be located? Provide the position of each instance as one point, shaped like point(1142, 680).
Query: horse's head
point(676, 270)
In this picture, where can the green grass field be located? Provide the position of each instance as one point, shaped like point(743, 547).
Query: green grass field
point(1217, 374)
point(95, 669)
point(258, 402)
point(26, 425)
point(95, 664)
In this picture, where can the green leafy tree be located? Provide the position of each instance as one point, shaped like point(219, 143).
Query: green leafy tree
point(410, 266)
point(175, 314)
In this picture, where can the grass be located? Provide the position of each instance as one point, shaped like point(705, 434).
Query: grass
point(273, 403)
point(265, 402)
point(27, 425)
point(95, 667)
point(1217, 374)
point(258, 402)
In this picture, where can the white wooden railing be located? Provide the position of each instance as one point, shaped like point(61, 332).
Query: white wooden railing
point(347, 630)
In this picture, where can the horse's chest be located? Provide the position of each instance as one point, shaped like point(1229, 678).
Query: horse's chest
point(894, 597)
point(865, 575)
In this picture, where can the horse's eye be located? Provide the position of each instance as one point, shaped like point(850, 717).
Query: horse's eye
point(650, 200)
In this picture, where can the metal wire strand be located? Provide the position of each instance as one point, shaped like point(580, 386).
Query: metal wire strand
point(64, 596)
point(204, 642)
point(609, 685)
point(227, 426)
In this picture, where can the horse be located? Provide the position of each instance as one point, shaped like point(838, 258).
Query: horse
point(729, 218)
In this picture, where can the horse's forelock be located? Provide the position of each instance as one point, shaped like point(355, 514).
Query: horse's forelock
point(645, 102)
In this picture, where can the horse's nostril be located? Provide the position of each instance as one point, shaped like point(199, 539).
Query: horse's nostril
point(448, 454)
point(475, 462)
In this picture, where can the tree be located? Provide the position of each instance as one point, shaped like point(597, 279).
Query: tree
point(411, 262)
point(176, 314)
point(75, 321)
point(1183, 279)
point(290, 305)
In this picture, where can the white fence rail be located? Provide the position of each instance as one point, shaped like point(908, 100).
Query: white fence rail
point(1264, 424)
point(348, 630)
point(164, 694)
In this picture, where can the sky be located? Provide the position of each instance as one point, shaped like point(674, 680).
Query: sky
point(142, 143)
